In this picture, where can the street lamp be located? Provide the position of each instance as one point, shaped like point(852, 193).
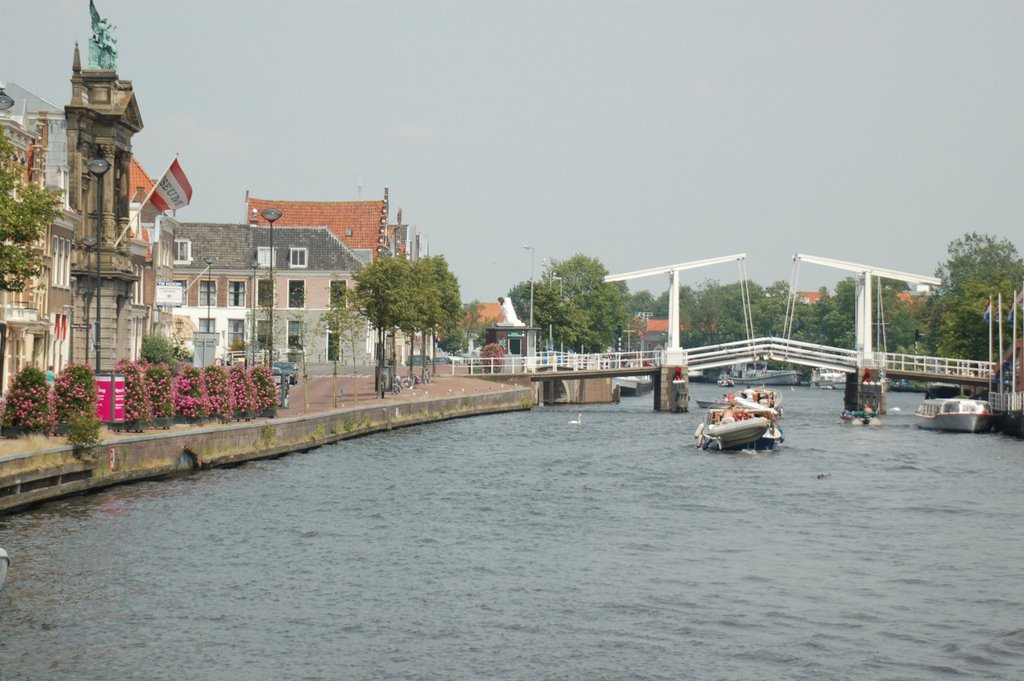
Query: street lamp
point(5, 99)
point(252, 303)
point(271, 215)
point(533, 252)
point(99, 167)
point(209, 260)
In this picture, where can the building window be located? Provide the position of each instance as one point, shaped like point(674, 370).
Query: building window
point(296, 293)
point(60, 265)
point(140, 284)
point(208, 293)
point(262, 333)
point(263, 256)
point(236, 294)
point(348, 232)
point(294, 334)
point(339, 290)
point(333, 345)
point(297, 257)
point(236, 334)
point(182, 251)
point(265, 293)
point(207, 325)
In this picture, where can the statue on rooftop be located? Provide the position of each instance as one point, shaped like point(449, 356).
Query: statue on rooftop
point(511, 318)
point(102, 44)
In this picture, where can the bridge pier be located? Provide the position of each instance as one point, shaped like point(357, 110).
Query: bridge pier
point(860, 393)
point(672, 394)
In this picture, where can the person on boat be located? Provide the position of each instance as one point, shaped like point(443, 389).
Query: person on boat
point(869, 410)
point(729, 415)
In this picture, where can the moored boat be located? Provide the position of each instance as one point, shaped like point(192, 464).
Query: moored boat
point(633, 386)
point(5, 562)
point(956, 415)
point(760, 373)
point(827, 379)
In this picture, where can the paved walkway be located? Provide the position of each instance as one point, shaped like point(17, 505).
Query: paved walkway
point(358, 391)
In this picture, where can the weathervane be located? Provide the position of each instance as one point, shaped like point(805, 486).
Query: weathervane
point(102, 44)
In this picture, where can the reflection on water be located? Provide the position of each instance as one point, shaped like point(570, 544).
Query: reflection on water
point(518, 546)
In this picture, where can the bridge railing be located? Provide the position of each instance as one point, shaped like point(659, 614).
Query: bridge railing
point(779, 349)
point(1006, 401)
point(555, 362)
point(940, 366)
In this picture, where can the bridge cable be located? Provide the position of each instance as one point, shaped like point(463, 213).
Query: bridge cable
point(880, 337)
point(748, 318)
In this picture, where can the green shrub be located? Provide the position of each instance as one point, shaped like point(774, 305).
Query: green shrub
point(157, 348)
point(84, 431)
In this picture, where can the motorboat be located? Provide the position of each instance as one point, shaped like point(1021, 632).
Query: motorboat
point(633, 386)
point(860, 417)
point(737, 429)
point(827, 379)
point(760, 373)
point(725, 381)
point(761, 397)
point(5, 562)
point(958, 415)
point(940, 391)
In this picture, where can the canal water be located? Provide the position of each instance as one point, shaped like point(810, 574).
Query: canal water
point(520, 546)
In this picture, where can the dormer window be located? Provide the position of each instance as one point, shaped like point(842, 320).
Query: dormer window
point(182, 251)
point(297, 257)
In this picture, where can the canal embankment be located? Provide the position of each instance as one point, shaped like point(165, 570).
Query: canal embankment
point(43, 474)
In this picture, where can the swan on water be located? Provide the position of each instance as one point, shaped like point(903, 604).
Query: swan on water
point(576, 421)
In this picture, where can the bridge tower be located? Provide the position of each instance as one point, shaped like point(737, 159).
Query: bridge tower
point(867, 386)
point(675, 390)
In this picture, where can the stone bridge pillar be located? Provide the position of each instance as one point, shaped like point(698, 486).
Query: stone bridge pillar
point(672, 389)
point(863, 388)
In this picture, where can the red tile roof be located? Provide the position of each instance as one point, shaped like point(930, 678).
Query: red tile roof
point(361, 217)
point(139, 181)
point(657, 325)
point(809, 297)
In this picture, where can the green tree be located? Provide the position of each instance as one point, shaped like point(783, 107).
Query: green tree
point(384, 295)
point(979, 266)
point(26, 211)
point(442, 309)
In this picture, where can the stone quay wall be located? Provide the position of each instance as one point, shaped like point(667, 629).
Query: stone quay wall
point(33, 477)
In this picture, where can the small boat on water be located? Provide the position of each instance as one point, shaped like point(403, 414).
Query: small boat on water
point(827, 379)
point(5, 562)
point(725, 381)
point(957, 415)
point(760, 373)
point(738, 429)
point(633, 386)
point(860, 418)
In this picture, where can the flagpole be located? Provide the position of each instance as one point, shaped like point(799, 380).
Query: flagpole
point(989, 315)
point(1002, 377)
point(1013, 323)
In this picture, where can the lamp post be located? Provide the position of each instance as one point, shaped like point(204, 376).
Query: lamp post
point(5, 99)
point(252, 303)
point(209, 260)
point(271, 215)
point(533, 252)
point(99, 167)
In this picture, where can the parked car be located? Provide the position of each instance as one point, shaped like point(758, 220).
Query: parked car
point(418, 360)
point(288, 369)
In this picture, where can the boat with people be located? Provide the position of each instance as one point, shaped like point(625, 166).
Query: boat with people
point(5, 562)
point(956, 415)
point(861, 417)
point(726, 381)
point(738, 428)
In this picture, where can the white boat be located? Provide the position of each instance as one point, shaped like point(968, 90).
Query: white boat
point(955, 414)
point(760, 373)
point(5, 562)
point(826, 379)
point(735, 429)
point(633, 386)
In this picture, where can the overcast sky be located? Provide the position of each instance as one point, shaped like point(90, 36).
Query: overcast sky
point(640, 133)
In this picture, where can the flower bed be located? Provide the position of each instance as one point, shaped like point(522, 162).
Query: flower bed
point(189, 395)
point(27, 407)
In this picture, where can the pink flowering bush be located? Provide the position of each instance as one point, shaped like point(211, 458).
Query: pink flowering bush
point(74, 394)
point(218, 392)
point(137, 403)
point(190, 394)
point(28, 402)
point(161, 390)
point(243, 390)
point(266, 391)
point(493, 355)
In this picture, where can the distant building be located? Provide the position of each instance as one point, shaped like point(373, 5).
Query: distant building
point(310, 266)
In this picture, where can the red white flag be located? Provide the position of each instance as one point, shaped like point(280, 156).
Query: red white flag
point(173, 190)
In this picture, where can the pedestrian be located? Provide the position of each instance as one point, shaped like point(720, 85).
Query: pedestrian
point(49, 376)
